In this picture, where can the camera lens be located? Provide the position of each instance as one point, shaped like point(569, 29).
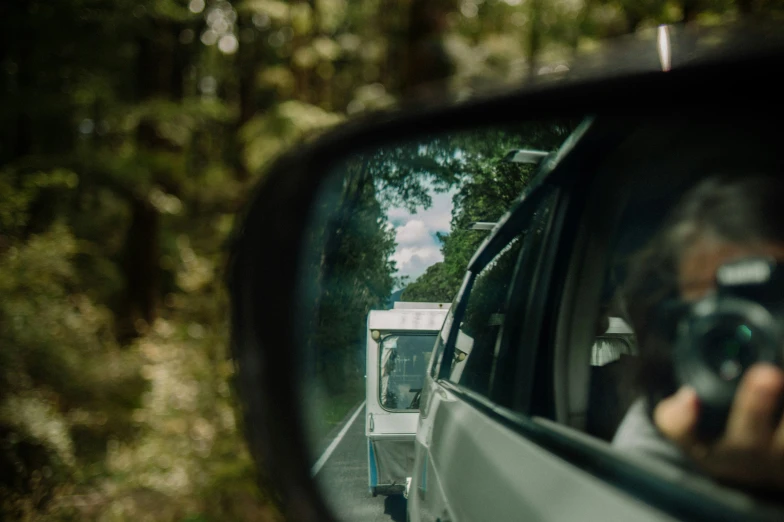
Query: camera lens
point(730, 348)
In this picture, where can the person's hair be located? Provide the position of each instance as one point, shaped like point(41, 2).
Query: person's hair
point(734, 209)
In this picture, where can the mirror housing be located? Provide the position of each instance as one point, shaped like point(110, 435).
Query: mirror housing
point(271, 303)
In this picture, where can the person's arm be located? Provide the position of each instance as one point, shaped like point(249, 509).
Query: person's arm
point(637, 435)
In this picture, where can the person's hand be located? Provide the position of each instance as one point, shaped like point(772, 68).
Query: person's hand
point(750, 452)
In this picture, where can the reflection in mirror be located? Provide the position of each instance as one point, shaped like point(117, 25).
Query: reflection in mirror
point(402, 368)
point(394, 230)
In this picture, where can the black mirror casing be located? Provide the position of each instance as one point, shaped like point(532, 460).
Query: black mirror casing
point(265, 271)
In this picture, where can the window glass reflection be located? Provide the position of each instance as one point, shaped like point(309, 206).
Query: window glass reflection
point(403, 363)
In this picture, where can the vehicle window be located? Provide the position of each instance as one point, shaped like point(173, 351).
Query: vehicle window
point(614, 339)
point(607, 349)
point(438, 349)
point(402, 361)
point(478, 332)
point(613, 363)
point(507, 386)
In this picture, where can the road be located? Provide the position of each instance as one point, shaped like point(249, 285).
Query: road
point(343, 477)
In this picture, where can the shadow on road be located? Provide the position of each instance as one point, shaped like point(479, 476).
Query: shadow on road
point(395, 507)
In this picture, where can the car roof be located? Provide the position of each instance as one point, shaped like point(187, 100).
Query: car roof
point(429, 320)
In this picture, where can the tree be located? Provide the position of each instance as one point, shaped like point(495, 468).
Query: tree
point(356, 275)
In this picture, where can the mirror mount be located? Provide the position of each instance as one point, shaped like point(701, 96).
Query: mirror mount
point(482, 225)
point(531, 157)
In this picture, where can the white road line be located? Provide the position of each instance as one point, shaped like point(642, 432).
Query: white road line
point(320, 462)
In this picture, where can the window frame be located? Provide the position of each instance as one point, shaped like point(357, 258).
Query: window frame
point(547, 179)
point(478, 269)
point(486, 253)
point(439, 350)
point(521, 216)
point(389, 333)
point(529, 291)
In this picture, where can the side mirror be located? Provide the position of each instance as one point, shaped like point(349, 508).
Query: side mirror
point(300, 283)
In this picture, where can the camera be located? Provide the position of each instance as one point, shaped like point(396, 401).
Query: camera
point(718, 338)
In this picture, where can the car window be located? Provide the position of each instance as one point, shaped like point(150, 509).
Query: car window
point(476, 343)
point(402, 368)
point(613, 364)
point(443, 335)
point(518, 347)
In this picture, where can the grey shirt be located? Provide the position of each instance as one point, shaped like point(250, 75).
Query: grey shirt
point(637, 434)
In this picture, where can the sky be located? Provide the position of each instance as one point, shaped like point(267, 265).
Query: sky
point(417, 244)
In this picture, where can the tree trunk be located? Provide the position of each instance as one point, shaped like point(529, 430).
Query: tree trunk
point(19, 38)
point(160, 74)
point(247, 64)
point(534, 38)
point(690, 10)
point(746, 7)
point(302, 75)
point(426, 64)
point(141, 267)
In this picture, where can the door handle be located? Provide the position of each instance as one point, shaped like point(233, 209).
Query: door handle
point(370, 422)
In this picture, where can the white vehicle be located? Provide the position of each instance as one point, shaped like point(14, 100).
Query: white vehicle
point(399, 344)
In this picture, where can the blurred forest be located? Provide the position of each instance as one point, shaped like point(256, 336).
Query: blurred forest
point(132, 132)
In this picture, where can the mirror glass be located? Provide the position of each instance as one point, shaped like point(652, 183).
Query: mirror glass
point(389, 243)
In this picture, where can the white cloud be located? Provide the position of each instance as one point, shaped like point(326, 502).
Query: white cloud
point(413, 233)
point(416, 249)
point(413, 261)
point(436, 218)
point(398, 213)
point(412, 254)
point(439, 216)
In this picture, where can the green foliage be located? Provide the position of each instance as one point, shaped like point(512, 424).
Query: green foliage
point(488, 189)
point(64, 382)
point(265, 136)
point(356, 276)
point(489, 291)
point(436, 285)
point(18, 193)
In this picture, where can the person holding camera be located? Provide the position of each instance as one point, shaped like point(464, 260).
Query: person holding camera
point(706, 301)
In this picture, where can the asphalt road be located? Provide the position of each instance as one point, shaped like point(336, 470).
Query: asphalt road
point(344, 479)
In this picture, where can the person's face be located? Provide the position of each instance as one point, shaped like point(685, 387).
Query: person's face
point(700, 260)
